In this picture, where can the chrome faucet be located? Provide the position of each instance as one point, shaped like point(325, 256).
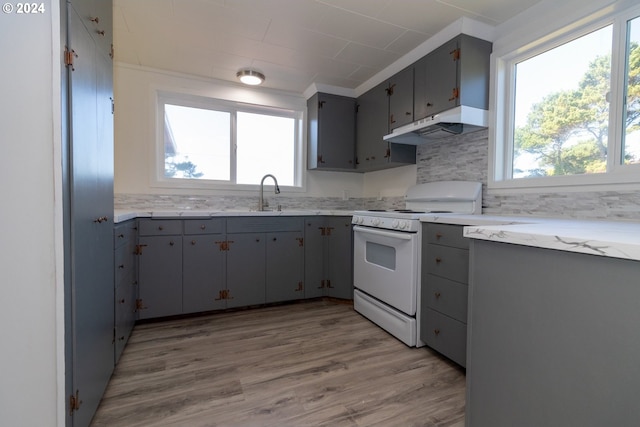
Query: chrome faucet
point(261, 204)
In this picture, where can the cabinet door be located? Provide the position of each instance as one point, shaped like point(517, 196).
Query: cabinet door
point(332, 132)
point(372, 125)
point(436, 80)
point(401, 98)
point(339, 258)
point(91, 237)
point(203, 273)
point(314, 255)
point(160, 276)
point(246, 269)
point(285, 266)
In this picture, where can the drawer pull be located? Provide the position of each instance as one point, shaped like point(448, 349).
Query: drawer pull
point(202, 227)
point(436, 331)
point(160, 228)
point(193, 242)
point(438, 260)
point(171, 243)
point(437, 294)
point(121, 266)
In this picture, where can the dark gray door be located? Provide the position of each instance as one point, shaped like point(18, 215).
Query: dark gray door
point(339, 258)
point(372, 125)
point(160, 276)
point(314, 272)
point(91, 222)
point(203, 273)
point(401, 98)
point(285, 266)
point(336, 131)
point(246, 269)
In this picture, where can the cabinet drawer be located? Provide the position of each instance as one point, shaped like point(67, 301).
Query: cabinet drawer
point(264, 224)
point(444, 261)
point(204, 226)
point(445, 335)
point(160, 227)
point(447, 235)
point(124, 233)
point(446, 296)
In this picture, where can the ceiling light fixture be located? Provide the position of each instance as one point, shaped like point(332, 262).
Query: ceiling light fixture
point(250, 77)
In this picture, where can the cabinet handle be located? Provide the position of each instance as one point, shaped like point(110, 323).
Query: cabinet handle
point(121, 266)
point(388, 153)
point(101, 32)
point(274, 239)
point(320, 159)
point(438, 236)
point(101, 219)
point(160, 228)
point(438, 260)
point(391, 119)
point(437, 294)
point(408, 113)
point(455, 94)
point(193, 242)
point(202, 227)
point(429, 104)
point(95, 20)
point(121, 338)
point(329, 284)
point(220, 296)
point(321, 285)
point(299, 288)
point(171, 243)
point(436, 331)
point(300, 241)
point(120, 236)
point(122, 301)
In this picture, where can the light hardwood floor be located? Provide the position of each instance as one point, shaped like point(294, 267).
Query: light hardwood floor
point(315, 363)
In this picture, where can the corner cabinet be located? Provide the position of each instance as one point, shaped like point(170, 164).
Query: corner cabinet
point(328, 255)
point(125, 284)
point(373, 117)
point(160, 267)
point(331, 132)
point(443, 302)
point(456, 73)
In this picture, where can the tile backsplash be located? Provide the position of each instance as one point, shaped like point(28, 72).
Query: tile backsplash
point(463, 157)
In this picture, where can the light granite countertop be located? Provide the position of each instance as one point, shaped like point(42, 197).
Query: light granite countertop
point(616, 239)
point(121, 215)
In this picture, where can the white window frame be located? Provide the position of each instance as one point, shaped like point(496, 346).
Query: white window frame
point(159, 179)
point(618, 176)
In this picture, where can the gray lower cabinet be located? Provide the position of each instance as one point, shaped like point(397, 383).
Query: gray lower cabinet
point(203, 265)
point(125, 284)
point(553, 338)
point(246, 268)
point(328, 254)
point(443, 305)
point(160, 267)
point(284, 266)
point(197, 265)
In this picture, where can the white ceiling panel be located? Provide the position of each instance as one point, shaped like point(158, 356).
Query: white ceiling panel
point(294, 42)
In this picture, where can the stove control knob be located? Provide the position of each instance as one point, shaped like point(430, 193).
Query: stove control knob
point(396, 224)
point(375, 222)
point(403, 225)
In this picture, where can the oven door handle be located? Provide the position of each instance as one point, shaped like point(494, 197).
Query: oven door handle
point(394, 235)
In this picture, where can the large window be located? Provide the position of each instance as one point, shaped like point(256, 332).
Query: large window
point(207, 143)
point(570, 112)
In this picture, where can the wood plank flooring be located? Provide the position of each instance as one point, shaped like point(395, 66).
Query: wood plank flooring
point(315, 363)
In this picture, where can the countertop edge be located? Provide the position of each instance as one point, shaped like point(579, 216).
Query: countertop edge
point(121, 215)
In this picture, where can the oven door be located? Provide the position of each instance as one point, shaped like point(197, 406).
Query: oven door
point(385, 266)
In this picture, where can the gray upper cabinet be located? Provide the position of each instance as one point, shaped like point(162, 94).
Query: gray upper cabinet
point(456, 73)
point(331, 132)
point(374, 153)
point(400, 91)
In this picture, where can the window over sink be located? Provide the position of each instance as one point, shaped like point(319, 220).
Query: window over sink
point(211, 143)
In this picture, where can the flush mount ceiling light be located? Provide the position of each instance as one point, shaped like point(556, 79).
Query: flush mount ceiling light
point(250, 77)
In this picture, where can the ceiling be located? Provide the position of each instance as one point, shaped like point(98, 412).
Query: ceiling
point(295, 43)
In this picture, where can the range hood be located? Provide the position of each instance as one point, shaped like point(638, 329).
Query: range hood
point(459, 120)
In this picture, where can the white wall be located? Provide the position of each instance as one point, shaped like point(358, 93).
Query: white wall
point(31, 304)
point(135, 141)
